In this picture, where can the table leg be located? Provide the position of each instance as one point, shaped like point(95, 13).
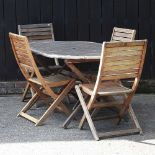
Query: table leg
point(75, 70)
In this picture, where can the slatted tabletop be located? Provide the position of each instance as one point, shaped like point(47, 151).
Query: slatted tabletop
point(67, 49)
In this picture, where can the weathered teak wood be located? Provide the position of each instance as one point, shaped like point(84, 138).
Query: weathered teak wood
point(68, 50)
point(36, 32)
point(117, 71)
point(122, 34)
point(43, 86)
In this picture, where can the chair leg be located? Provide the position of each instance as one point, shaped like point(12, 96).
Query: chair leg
point(56, 102)
point(134, 118)
point(126, 103)
point(76, 108)
point(76, 104)
point(86, 112)
point(82, 122)
point(68, 99)
point(72, 115)
point(137, 129)
point(25, 91)
point(29, 104)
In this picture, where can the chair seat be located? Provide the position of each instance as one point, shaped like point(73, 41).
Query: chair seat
point(106, 88)
point(52, 69)
point(53, 80)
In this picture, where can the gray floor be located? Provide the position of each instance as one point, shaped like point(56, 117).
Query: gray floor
point(18, 134)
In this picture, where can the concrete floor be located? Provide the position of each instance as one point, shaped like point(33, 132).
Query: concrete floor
point(19, 136)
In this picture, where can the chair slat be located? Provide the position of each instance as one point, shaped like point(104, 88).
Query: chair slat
point(21, 52)
point(30, 26)
point(120, 38)
point(37, 33)
point(121, 34)
point(123, 53)
point(123, 57)
point(44, 29)
point(40, 37)
point(119, 76)
point(123, 30)
point(128, 48)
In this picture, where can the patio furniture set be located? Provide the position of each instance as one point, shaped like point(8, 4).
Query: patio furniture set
point(119, 60)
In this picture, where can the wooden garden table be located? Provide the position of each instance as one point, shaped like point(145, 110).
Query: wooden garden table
point(72, 52)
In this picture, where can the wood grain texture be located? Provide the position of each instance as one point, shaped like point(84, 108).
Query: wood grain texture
point(122, 34)
point(125, 68)
point(67, 49)
point(37, 31)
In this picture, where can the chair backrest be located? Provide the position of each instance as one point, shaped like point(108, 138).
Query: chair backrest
point(122, 60)
point(24, 57)
point(122, 34)
point(22, 54)
point(37, 31)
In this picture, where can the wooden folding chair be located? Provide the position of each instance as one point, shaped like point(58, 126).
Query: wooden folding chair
point(43, 86)
point(39, 32)
point(119, 61)
point(122, 34)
